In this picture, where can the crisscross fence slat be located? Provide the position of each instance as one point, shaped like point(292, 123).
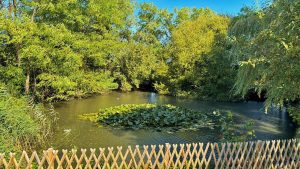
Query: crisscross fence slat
point(242, 155)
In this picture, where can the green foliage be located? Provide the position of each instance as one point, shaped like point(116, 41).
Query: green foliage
point(23, 124)
point(154, 25)
point(215, 80)
point(83, 15)
point(161, 88)
point(294, 111)
point(125, 86)
point(56, 50)
point(150, 116)
point(45, 44)
point(39, 52)
point(268, 52)
point(198, 65)
point(182, 53)
point(12, 76)
point(54, 87)
point(170, 118)
point(136, 65)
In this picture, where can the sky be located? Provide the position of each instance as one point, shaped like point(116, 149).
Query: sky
point(231, 7)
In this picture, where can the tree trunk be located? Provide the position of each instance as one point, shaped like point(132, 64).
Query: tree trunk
point(15, 7)
point(18, 55)
point(10, 8)
point(27, 83)
point(33, 14)
point(34, 83)
point(1, 4)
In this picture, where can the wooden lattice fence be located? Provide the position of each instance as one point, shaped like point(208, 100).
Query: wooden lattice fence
point(256, 154)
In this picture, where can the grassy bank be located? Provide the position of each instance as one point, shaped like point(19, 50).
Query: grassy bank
point(23, 125)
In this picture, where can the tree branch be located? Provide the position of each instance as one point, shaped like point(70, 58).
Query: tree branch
point(33, 14)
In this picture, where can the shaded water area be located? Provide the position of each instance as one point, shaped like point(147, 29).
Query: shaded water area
point(75, 133)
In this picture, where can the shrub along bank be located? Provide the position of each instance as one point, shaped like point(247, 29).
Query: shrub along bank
point(23, 125)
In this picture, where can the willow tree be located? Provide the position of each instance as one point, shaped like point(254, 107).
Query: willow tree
point(268, 56)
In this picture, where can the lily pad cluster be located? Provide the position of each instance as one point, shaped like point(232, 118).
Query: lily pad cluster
point(158, 117)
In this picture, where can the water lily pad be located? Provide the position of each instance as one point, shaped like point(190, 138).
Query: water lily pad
point(156, 117)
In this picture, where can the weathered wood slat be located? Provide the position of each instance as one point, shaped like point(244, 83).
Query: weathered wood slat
point(273, 154)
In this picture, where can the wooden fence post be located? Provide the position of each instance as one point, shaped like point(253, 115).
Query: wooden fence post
point(167, 155)
point(51, 159)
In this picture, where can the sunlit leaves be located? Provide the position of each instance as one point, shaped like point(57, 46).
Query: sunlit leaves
point(194, 44)
point(22, 123)
point(270, 58)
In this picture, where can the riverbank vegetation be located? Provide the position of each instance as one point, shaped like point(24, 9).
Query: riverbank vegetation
point(23, 124)
point(52, 51)
point(69, 49)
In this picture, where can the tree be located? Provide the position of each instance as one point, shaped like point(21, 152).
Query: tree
point(191, 49)
point(49, 41)
point(142, 55)
point(270, 59)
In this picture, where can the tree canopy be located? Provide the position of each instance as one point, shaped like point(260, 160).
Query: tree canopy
point(54, 50)
point(266, 46)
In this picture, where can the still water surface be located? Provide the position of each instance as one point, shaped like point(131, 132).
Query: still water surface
point(75, 133)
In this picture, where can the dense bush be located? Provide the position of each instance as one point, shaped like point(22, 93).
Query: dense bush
point(23, 125)
point(55, 87)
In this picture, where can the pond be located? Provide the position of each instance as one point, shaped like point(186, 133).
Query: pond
point(75, 133)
